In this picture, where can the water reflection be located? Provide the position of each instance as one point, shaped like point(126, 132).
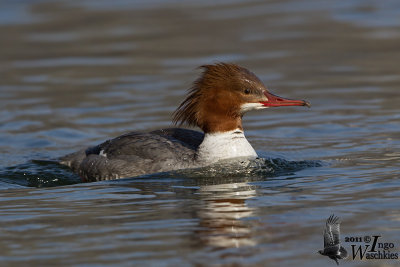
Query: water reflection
point(222, 218)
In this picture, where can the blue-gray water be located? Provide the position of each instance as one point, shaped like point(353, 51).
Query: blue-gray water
point(75, 73)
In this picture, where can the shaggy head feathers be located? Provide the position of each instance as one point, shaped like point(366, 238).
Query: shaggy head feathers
point(219, 89)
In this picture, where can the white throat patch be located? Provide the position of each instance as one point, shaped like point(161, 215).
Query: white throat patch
point(251, 106)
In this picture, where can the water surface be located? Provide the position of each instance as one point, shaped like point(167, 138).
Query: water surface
point(74, 74)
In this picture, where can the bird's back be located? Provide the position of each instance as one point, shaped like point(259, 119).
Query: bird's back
point(136, 153)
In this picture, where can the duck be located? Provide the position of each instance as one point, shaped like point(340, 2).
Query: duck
point(215, 103)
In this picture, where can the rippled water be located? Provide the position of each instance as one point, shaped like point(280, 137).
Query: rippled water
point(74, 73)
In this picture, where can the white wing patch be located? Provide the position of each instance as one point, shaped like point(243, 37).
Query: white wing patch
point(103, 154)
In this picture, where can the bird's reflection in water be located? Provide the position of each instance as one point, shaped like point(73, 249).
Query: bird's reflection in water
point(221, 216)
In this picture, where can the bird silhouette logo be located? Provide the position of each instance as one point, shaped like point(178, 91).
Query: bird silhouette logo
point(332, 247)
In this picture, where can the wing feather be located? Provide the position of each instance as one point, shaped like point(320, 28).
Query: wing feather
point(332, 231)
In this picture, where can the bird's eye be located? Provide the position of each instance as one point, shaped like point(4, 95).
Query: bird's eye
point(247, 91)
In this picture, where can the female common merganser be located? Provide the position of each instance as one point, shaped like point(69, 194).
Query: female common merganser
point(215, 103)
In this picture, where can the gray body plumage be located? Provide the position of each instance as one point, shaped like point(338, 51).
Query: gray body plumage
point(136, 153)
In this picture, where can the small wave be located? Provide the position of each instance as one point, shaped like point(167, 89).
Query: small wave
point(264, 167)
point(46, 173)
point(39, 173)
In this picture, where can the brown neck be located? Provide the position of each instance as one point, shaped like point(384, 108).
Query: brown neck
point(215, 124)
